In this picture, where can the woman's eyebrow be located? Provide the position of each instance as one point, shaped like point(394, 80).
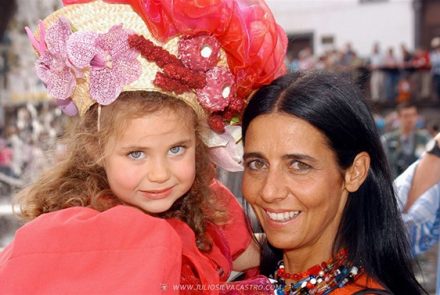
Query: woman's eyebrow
point(253, 155)
point(302, 157)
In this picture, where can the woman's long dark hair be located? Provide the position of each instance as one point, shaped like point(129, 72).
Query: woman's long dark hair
point(371, 226)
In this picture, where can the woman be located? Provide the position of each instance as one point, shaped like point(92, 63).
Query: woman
point(317, 179)
point(132, 206)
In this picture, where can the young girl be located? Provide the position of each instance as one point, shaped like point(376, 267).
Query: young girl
point(132, 205)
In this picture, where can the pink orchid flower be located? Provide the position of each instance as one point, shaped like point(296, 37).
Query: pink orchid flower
point(113, 62)
point(65, 56)
point(53, 66)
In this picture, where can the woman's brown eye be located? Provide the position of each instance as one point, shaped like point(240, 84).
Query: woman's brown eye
point(255, 165)
point(299, 166)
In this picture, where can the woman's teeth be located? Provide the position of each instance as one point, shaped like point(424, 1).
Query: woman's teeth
point(284, 216)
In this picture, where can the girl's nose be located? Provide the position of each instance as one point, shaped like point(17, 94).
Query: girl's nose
point(158, 171)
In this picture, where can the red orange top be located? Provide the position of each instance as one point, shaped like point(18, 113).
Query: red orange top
point(119, 251)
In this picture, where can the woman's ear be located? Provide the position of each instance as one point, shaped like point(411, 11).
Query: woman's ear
point(358, 172)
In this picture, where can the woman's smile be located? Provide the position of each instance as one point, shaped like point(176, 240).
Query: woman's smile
point(281, 216)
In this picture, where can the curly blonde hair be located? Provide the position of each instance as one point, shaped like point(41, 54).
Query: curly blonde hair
point(79, 179)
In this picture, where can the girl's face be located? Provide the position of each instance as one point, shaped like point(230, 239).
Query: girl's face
point(293, 183)
point(152, 164)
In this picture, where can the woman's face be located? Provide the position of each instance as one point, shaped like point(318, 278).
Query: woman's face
point(293, 182)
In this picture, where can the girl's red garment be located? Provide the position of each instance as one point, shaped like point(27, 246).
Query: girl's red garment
point(119, 251)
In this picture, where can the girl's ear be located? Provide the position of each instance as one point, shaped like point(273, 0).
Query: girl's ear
point(358, 172)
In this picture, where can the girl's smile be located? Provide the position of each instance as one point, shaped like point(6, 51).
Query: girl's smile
point(157, 194)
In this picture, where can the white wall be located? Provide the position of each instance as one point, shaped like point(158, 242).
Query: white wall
point(389, 22)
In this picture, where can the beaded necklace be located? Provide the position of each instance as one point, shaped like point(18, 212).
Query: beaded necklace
point(320, 279)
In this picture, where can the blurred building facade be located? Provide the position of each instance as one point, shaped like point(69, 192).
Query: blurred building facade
point(326, 25)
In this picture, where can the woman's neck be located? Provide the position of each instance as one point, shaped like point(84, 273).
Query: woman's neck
point(299, 260)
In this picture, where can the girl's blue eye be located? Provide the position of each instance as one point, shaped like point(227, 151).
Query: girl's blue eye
point(136, 155)
point(176, 150)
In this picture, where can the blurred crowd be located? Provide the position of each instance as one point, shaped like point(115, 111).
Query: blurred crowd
point(29, 131)
point(387, 76)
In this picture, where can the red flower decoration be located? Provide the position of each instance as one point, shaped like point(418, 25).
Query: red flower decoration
point(175, 77)
point(216, 123)
point(228, 115)
point(219, 90)
point(152, 52)
point(236, 105)
point(185, 75)
point(199, 53)
point(169, 84)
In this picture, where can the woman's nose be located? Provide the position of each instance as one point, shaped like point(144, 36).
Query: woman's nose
point(274, 187)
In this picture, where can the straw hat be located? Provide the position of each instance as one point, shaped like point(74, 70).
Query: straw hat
point(100, 17)
point(212, 57)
